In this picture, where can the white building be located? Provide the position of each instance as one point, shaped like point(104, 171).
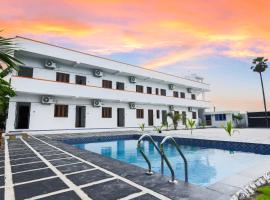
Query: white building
point(59, 89)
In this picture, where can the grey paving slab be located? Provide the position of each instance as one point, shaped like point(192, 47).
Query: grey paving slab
point(25, 160)
point(56, 156)
point(64, 161)
point(53, 152)
point(2, 163)
point(37, 188)
point(112, 190)
point(88, 177)
point(26, 167)
point(32, 175)
point(74, 168)
point(63, 196)
point(18, 152)
point(146, 197)
point(224, 188)
point(2, 170)
point(1, 193)
point(2, 180)
point(12, 157)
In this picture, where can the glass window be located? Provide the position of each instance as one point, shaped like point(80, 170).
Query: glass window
point(149, 90)
point(158, 114)
point(163, 92)
point(61, 110)
point(140, 113)
point(193, 96)
point(62, 77)
point(194, 115)
point(220, 117)
point(81, 80)
point(182, 95)
point(157, 91)
point(106, 112)
point(175, 94)
point(139, 88)
point(25, 72)
point(107, 84)
point(120, 86)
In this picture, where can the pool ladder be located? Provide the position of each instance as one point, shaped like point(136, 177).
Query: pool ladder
point(163, 156)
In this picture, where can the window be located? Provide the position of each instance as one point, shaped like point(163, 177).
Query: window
point(220, 117)
point(158, 114)
point(193, 96)
point(107, 84)
point(149, 90)
point(139, 88)
point(176, 112)
point(194, 115)
point(25, 72)
point(163, 92)
point(157, 91)
point(81, 80)
point(140, 114)
point(106, 112)
point(61, 110)
point(120, 86)
point(175, 94)
point(62, 77)
point(182, 95)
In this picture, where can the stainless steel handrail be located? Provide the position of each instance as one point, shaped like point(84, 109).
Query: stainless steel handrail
point(168, 162)
point(150, 172)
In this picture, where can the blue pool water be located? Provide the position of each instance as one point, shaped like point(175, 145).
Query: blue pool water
point(206, 166)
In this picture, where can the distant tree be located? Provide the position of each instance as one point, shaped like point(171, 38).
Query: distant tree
point(175, 117)
point(7, 64)
point(237, 118)
point(260, 66)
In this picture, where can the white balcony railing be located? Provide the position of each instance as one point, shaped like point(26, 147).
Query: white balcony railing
point(48, 87)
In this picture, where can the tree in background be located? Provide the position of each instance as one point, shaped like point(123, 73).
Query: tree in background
point(175, 117)
point(237, 118)
point(260, 66)
point(7, 64)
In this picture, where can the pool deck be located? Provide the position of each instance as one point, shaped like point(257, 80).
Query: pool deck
point(43, 168)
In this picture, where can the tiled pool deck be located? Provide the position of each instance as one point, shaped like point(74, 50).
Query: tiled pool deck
point(41, 167)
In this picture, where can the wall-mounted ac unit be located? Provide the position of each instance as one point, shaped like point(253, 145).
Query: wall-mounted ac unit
point(132, 105)
point(50, 64)
point(189, 90)
point(171, 86)
point(171, 108)
point(97, 73)
point(132, 79)
point(190, 109)
point(47, 100)
point(97, 103)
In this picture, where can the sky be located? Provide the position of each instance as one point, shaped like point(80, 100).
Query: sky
point(216, 39)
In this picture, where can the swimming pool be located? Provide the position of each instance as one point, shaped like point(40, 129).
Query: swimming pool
point(205, 165)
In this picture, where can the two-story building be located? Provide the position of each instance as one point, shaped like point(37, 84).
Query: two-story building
point(59, 89)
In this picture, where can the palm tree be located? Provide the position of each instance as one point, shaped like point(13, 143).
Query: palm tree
point(260, 66)
point(175, 117)
point(7, 64)
point(237, 118)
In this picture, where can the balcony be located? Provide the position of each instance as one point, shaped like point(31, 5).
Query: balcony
point(53, 88)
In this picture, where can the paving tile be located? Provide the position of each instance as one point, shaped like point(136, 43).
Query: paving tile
point(224, 188)
point(37, 188)
point(64, 161)
point(88, 177)
point(2, 193)
point(74, 168)
point(50, 152)
point(25, 160)
point(32, 175)
point(2, 163)
point(2, 158)
point(2, 180)
point(2, 170)
point(114, 189)
point(18, 152)
point(56, 156)
point(29, 166)
point(22, 156)
point(146, 197)
point(63, 196)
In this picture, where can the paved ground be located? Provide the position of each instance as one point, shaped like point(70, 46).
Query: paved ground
point(41, 168)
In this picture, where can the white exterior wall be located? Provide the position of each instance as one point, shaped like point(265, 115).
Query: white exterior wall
point(71, 94)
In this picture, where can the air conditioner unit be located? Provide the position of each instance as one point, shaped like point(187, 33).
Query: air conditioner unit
point(97, 103)
point(98, 73)
point(47, 100)
point(171, 86)
point(189, 90)
point(132, 105)
point(132, 79)
point(171, 107)
point(50, 64)
point(190, 109)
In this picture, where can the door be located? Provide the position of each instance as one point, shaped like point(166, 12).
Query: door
point(22, 115)
point(164, 116)
point(184, 117)
point(150, 117)
point(208, 120)
point(80, 116)
point(120, 117)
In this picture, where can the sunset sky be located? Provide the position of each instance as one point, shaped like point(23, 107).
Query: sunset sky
point(216, 39)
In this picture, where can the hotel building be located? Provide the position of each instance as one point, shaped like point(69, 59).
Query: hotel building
point(62, 90)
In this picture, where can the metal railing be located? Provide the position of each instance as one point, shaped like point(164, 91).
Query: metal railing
point(149, 172)
point(168, 162)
